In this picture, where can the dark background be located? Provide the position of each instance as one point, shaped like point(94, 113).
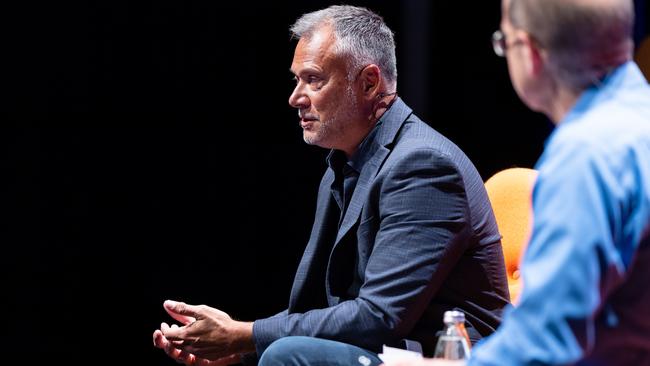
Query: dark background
point(149, 153)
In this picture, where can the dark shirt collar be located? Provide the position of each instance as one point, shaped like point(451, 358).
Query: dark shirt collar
point(366, 149)
point(336, 158)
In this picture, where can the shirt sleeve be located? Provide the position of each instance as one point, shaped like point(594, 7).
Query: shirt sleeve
point(571, 262)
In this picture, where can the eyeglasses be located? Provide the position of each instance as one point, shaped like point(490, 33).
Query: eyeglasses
point(499, 44)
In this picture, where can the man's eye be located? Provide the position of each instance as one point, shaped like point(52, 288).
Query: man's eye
point(312, 79)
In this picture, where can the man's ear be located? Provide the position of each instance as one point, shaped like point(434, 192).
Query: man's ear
point(370, 79)
point(533, 55)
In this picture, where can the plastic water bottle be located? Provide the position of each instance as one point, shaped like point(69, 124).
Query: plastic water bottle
point(453, 343)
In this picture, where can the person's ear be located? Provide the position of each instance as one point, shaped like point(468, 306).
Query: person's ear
point(533, 55)
point(370, 78)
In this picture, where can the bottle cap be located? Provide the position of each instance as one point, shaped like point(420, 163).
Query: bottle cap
point(454, 316)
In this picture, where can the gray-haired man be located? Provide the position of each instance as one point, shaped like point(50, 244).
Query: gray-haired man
point(403, 229)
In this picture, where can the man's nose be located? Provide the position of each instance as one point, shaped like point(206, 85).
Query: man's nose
point(298, 99)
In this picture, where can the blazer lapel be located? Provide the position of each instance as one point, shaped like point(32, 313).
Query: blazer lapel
point(392, 121)
point(361, 190)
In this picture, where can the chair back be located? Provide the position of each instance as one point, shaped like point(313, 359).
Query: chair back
point(510, 193)
point(642, 57)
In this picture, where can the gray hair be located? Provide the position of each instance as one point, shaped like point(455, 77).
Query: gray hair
point(585, 38)
point(360, 34)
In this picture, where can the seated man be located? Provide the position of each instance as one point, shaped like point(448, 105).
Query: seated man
point(403, 230)
point(586, 270)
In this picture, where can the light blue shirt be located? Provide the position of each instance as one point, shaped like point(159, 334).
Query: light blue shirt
point(586, 271)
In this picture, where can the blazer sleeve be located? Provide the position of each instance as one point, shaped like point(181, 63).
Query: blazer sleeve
point(423, 225)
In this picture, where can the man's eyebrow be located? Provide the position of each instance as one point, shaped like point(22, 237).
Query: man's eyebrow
point(306, 70)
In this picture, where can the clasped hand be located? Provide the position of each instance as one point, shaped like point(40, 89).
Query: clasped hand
point(206, 337)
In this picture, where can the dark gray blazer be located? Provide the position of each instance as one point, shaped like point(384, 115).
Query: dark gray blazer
point(418, 238)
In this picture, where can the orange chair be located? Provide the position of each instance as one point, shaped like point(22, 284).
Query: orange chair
point(510, 193)
point(642, 57)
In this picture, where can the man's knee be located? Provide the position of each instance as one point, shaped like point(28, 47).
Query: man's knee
point(288, 351)
point(310, 351)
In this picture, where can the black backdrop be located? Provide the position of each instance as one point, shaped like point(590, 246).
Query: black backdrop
point(148, 152)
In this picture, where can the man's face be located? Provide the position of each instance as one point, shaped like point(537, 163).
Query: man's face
point(527, 81)
point(324, 97)
point(513, 54)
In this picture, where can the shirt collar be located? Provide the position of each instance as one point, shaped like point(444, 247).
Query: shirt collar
point(367, 147)
point(626, 76)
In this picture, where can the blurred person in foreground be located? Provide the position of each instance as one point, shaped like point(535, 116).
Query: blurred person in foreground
point(403, 229)
point(586, 270)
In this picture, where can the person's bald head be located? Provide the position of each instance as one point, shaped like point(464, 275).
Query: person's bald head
point(584, 38)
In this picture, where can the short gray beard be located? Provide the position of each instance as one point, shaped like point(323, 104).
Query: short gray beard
point(334, 127)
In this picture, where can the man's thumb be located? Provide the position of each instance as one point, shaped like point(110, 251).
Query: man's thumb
point(181, 311)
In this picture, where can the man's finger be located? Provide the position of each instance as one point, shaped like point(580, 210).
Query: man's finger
point(174, 334)
point(181, 311)
point(224, 361)
point(158, 339)
point(164, 329)
point(184, 357)
point(169, 347)
point(178, 336)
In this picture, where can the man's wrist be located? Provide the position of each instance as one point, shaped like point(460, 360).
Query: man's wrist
point(245, 342)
